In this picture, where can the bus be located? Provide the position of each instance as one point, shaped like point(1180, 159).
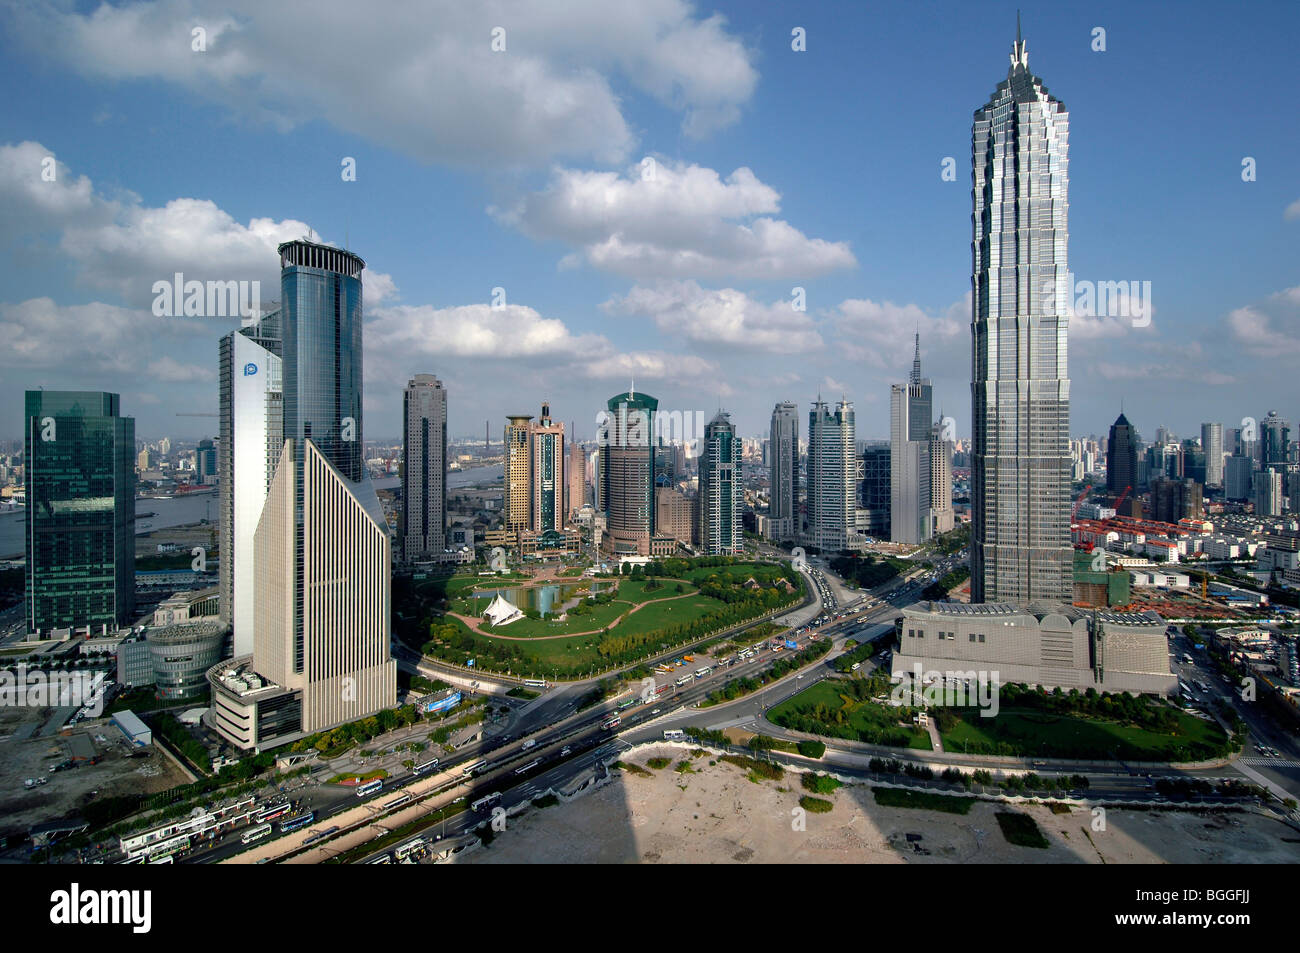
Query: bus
point(406, 850)
point(370, 787)
point(674, 734)
point(487, 801)
point(684, 679)
point(320, 835)
point(626, 704)
point(703, 672)
point(293, 823)
point(528, 767)
point(397, 801)
point(609, 724)
point(384, 858)
point(425, 767)
point(272, 812)
point(474, 768)
point(256, 833)
point(167, 848)
point(534, 683)
point(169, 859)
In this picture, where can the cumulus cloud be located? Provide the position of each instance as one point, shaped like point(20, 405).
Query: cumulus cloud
point(880, 333)
point(660, 219)
point(119, 244)
point(422, 78)
point(1271, 328)
point(721, 318)
point(1292, 212)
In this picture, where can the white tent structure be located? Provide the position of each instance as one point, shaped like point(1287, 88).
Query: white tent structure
point(502, 612)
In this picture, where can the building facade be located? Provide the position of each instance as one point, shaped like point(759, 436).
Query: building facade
point(518, 474)
point(1020, 391)
point(422, 526)
point(830, 517)
point(80, 518)
point(1212, 445)
point(783, 461)
point(1121, 458)
point(546, 459)
point(627, 466)
point(722, 491)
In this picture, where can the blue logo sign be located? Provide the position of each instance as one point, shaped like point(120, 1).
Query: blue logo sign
point(250, 370)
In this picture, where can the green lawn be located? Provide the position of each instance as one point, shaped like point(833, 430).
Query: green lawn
point(1029, 732)
point(821, 709)
point(923, 800)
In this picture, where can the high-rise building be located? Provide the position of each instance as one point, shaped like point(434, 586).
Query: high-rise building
point(1238, 472)
point(941, 513)
point(205, 463)
point(80, 484)
point(251, 436)
point(1173, 500)
point(576, 477)
point(422, 528)
point(546, 481)
point(1121, 458)
point(1020, 394)
point(876, 490)
point(143, 460)
point(518, 474)
point(830, 517)
point(627, 465)
point(1268, 492)
point(722, 491)
point(322, 555)
point(1274, 441)
point(911, 419)
point(676, 515)
point(783, 455)
point(1212, 444)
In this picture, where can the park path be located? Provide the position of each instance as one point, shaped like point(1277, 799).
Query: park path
point(474, 624)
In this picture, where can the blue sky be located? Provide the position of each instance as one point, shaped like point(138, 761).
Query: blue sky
point(523, 169)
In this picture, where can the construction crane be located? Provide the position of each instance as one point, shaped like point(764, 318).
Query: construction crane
point(1079, 502)
point(1122, 497)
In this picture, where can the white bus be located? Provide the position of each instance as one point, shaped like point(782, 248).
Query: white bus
point(674, 734)
point(256, 833)
point(407, 849)
point(487, 801)
point(370, 787)
point(425, 766)
point(474, 768)
point(703, 672)
point(528, 767)
point(397, 801)
point(684, 679)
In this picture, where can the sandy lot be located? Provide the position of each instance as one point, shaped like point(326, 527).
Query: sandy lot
point(718, 815)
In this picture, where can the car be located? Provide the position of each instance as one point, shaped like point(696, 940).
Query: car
point(655, 711)
point(565, 751)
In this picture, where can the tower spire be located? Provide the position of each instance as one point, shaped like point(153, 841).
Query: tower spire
point(1019, 55)
point(916, 360)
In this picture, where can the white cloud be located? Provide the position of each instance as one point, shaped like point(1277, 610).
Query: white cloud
point(720, 318)
point(673, 220)
point(881, 334)
point(422, 78)
point(121, 245)
point(1270, 329)
point(169, 370)
point(1292, 212)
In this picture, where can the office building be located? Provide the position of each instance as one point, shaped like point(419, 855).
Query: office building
point(1238, 477)
point(1274, 442)
point(722, 491)
point(676, 515)
point(1212, 445)
point(874, 515)
point(205, 463)
point(576, 478)
point(1121, 458)
point(783, 459)
point(518, 475)
point(942, 518)
point(1268, 492)
point(80, 517)
point(546, 457)
point(251, 405)
point(830, 516)
point(1020, 473)
point(422, 526)
point(910, 423)
point(627, 463)
point(321, 647)
point(1173, 500)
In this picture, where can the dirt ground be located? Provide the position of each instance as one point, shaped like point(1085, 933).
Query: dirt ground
point(68, 791)
point(718, 815)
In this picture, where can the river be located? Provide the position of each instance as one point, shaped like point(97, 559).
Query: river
point(198, 507)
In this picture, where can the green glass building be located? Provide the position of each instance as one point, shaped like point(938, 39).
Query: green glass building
point(80, 478)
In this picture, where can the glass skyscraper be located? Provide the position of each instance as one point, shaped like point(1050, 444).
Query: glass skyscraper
point(422, 527)
point(722, 492)
point(783, 448)
point(80, 482)
point(1020, 394)
point(832, 477)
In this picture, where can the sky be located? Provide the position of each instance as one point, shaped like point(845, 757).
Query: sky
point(641, 192)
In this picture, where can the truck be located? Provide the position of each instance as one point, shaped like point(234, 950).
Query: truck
point(528, 744)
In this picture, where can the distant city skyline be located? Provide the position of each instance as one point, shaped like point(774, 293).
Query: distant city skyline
point(580, 264)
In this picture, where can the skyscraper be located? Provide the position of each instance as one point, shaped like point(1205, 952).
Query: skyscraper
point(1121, 458)
point(722, 491)
point(576, 477)
point(518, 491)
point(1212, 444)
point(321, 548)
point(941, 514)
point(876, 490)
point(832, 477)
point(251, 393)
point(546, 480)
point(1275, 442)
point(1020, 394)
point(80, 483)
point(422, 529)
point(627, 466)
point(911, 418)
point(783, 453)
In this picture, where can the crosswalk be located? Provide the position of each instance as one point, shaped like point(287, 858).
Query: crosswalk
point(1269, 762)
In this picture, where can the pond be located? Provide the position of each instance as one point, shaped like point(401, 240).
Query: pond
point(545, 599)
